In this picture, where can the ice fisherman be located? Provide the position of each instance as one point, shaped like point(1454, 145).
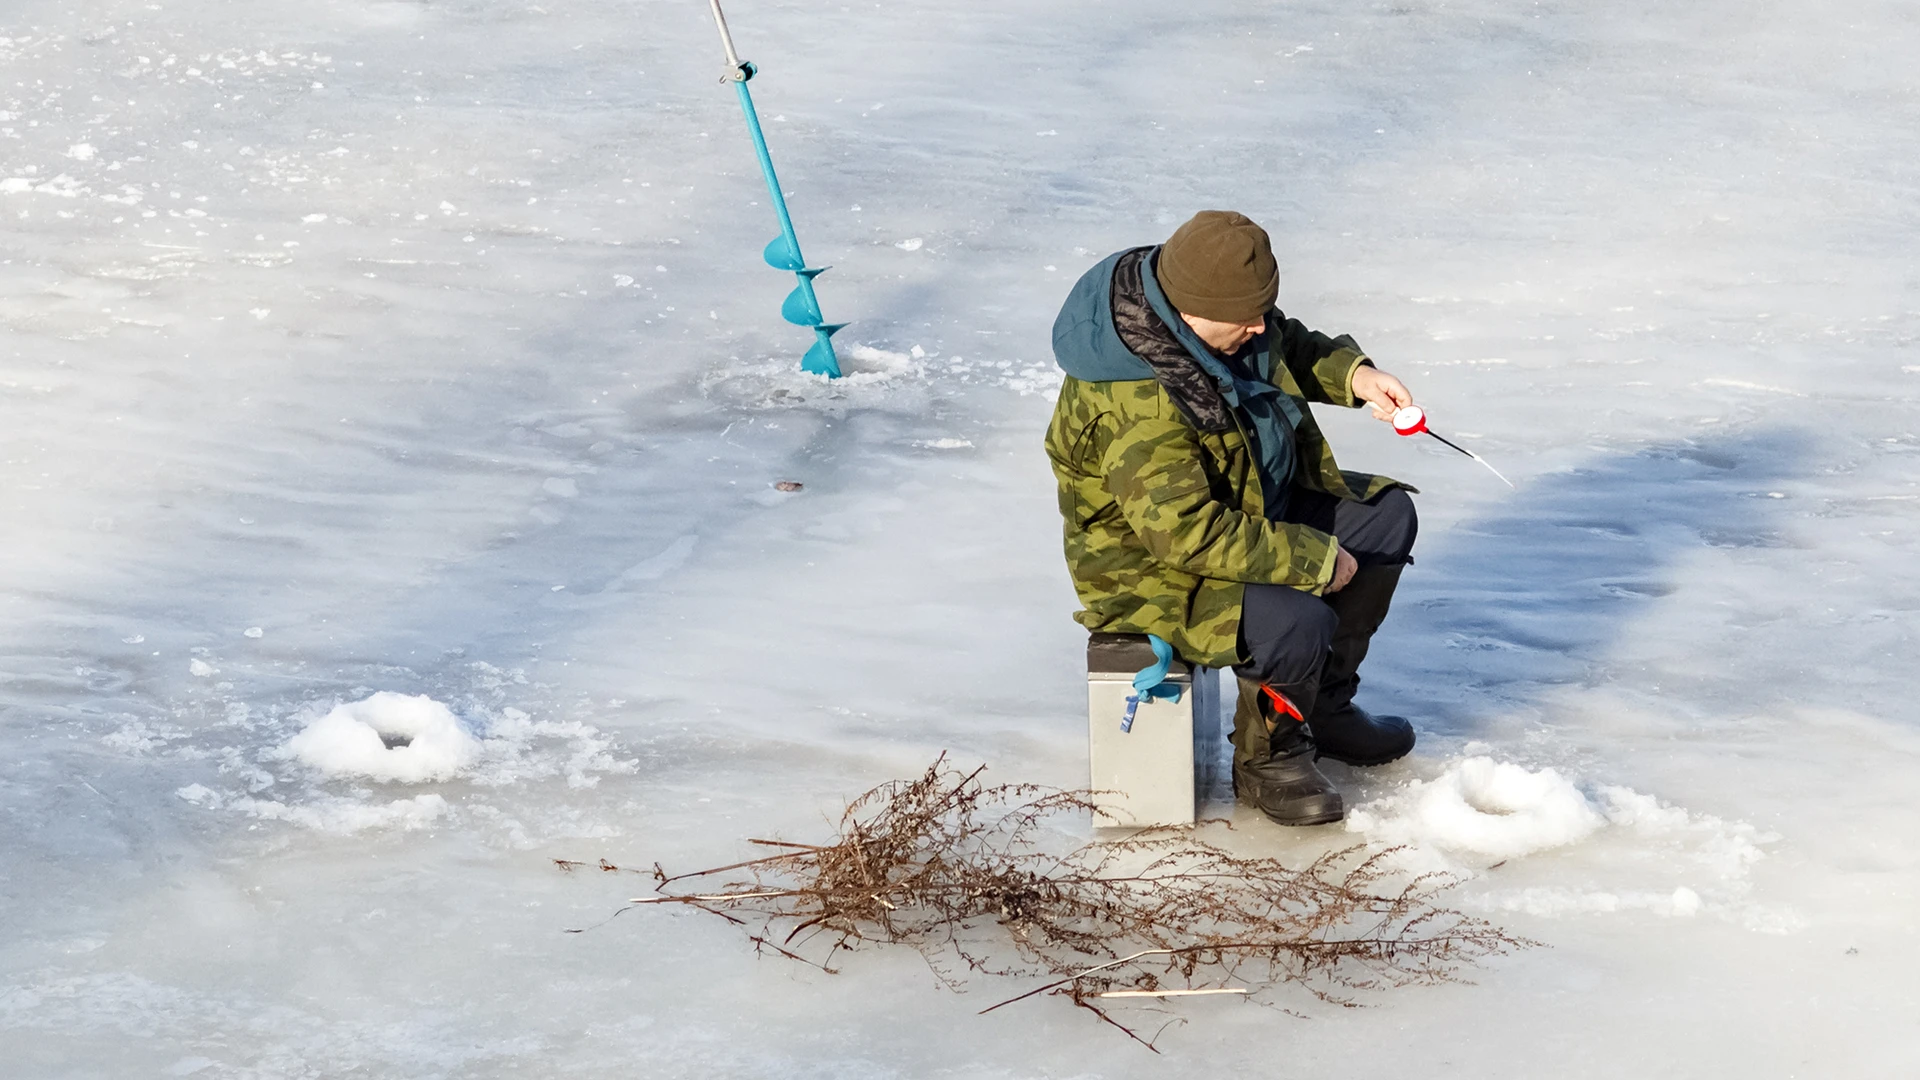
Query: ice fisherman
point(1203, 505)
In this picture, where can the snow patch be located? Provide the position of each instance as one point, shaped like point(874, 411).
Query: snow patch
point(200, 795)
point(388, 737)
point(511, 752)
point(1645, 855)
point(137, 737)
point(344, 816)
point(332, 814)
point(1744, 384)
point(396, 738)
point(1485, 807)
point(64, 186)
point(1034, 380)
point(868, 376)
point(1550, 902)
point(876, 364)
point(1723, 849)
point(1499, 810)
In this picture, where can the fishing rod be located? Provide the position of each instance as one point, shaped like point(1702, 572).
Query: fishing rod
point(1412, 420)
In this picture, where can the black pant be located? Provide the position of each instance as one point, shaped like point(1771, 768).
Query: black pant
point(1284, 632)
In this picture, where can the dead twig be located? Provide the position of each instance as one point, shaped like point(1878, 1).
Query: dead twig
point(990, 880)
point(1171, 993)
point(1076, 976)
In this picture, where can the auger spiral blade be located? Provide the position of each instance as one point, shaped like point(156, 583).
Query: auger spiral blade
point(820, 360)
point(802, 308)
point(781, 256)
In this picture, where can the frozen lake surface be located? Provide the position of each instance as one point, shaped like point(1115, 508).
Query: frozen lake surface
point(373, 347)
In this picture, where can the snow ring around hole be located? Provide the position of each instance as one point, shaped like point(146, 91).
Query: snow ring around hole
point(387, 737)
point(1492, 808)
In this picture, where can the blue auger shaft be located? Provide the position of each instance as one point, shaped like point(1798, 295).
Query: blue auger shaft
point(802, 306)
point(766, 166)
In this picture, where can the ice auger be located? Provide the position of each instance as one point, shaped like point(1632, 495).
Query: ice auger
point(802, 307)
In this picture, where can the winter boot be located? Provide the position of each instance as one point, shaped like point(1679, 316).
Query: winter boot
point(1342, 730)
point(1273, 763)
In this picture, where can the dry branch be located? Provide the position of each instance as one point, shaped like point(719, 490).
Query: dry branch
point(985, 879)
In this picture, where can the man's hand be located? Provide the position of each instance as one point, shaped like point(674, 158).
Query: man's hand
point(1380, 390)
point(1344, 567)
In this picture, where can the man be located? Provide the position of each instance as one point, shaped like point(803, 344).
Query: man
point(1203, 505)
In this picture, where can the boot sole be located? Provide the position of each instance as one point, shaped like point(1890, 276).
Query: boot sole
point(1330, 809)
point(1329, 818)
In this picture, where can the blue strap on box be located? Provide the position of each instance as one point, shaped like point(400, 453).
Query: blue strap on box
point(1151, 682)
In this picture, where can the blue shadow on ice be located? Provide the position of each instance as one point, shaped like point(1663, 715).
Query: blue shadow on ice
point(1500, 608)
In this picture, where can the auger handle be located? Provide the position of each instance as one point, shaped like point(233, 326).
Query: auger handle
point(726, 36)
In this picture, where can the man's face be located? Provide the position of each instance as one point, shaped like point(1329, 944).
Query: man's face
point(1226, 337)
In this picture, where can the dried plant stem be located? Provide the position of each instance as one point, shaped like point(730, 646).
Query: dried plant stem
point(1077, 976)
point(990, 880)
point(689, 898)
point(1171, 993)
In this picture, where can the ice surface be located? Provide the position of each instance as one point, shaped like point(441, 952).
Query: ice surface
point(426, 349)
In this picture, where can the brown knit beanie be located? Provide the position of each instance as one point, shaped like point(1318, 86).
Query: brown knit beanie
point(1219, 266)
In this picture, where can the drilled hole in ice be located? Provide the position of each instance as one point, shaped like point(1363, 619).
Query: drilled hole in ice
point(1480, 801)
point(388, 737)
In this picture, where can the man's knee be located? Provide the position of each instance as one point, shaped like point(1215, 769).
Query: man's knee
point(1380, 531)
point(1286, 636)
point(1317, 630)
point(1401, 523)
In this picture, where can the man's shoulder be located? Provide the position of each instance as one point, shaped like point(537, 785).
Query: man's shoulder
point(1122, 399)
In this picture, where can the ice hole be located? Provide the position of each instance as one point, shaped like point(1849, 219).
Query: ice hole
point(1492, 808)
point(393, 737)
point(1485, 802)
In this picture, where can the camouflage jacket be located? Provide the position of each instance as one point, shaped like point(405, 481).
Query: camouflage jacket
point(1165, 517)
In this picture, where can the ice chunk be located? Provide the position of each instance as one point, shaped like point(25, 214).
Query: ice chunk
point(199, 795)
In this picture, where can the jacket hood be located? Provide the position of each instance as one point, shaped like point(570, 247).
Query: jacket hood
point(1085, 343)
